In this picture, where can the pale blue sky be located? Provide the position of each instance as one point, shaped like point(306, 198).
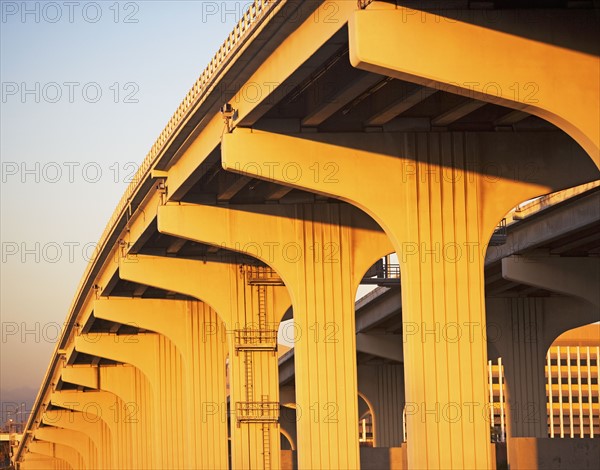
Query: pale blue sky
point(80, 151)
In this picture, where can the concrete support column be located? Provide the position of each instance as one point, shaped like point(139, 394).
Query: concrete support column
point(518, 328)
point(520, 332)
point(444, 195)
point(321, 253)
point(94, 437)
point(528, 326)
point(36, 461)
point(254, 377)
point(197, 332)
point(97, 406)
point(160, 363)
point(65, 453)
point(287, 422)
point(131, 407)
point(251, 301)
point(382, 386)
point(69, 438)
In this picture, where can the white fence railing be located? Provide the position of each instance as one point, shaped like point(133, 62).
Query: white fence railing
point(572, 389)
point(572, 394)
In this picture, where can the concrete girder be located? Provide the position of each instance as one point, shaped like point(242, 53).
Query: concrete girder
point(270, 83)
point(385, 346)
point(280, 248)
point(573, 276)
point(570, 217)
point(505, 169)
point(332, 105)
point(559, 84)
point(580, 313)
point(165, 317)
point(398, 107)
point(207, 281)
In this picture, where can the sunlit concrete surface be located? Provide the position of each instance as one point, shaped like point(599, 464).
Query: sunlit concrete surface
point(447, 155)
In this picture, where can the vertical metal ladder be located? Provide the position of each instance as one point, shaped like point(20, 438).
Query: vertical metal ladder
point(250, 340)
point(249, 375)
point(266, 434)
point(262, 310)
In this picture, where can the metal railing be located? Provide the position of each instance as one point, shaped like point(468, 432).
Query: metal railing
point(500, 234)
point(257, 412)
point(382, 274)
point(248, 339)
point(389, 271)
point(497, 397)
point(256, 276)
point(572, 391)
point(365, 431)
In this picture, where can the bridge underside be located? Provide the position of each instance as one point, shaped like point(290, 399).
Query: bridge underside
point(351, 134)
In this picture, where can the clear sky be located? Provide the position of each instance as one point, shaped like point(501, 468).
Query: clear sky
point(86, 89)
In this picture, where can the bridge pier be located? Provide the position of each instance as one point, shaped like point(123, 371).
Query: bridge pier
point(59, 452)
point(76, 440)
point(94, 437)
point(382, 386)
point(130, 407)
point(518, 329)
point(321, 253)
point(528, 326)
point(251, 303)
point(444, 195)
point(37, 461)
point(504, 104)
point(96, 406)
point(191, 327)
point(160, 363)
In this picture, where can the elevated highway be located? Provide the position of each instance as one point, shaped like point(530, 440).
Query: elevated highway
point(322, 137)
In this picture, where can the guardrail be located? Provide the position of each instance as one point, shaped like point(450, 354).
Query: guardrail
point(257, 412)
point(259, 276)
point(249, 339)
